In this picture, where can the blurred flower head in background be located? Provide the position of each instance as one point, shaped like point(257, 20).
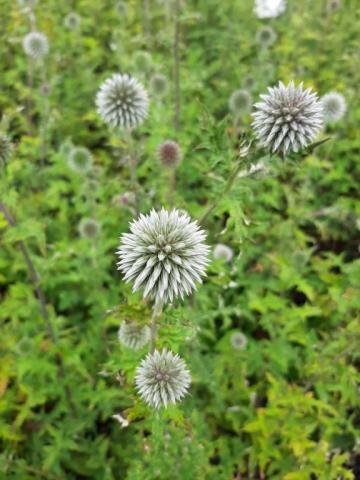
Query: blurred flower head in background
point(122, 101)
point(142, 61)
point(72, 21)
point(334, 106)
point(266, 36)
point(159, 85)
point(80, 159)
point(169, 153)
point(288, 118)
point(240, 102)
point(238, 341)
point(224, 252)
point(269, 8)
point(133, 335)
point(36, 45)
point(162, 378)
point(89, 228)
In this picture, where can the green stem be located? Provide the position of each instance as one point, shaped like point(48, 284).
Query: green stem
point(157, 311)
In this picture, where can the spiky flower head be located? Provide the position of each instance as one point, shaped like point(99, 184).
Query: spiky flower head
point(72, 21)
point(169, 153)
point(162, 378)
point(269, 8)
point(240, 101)
point(80, 159)
point(266, 36)
point(133, 335)
point(223, 251)
point(5, 149)
point(334, 106)
point(89, 228)
point(159, 84)
point(288, 118)
point(164, 254)
point(142, 61)
point(238, 341)
point(122, 101)
point(36, 45)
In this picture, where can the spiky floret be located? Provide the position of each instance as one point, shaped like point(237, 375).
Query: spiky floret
point(164, 254)
point(133, 335)
point(36, 45)
point(334, 106)
point(162, 378)
point(89, 228)
point(240, 101)
point(266, 36)
point(169, 153)
point(80, 159)
point(5, 149)
point(288, 118)
point(269, 8)
point(223, 251)
point(122, 101)
point(238, 341)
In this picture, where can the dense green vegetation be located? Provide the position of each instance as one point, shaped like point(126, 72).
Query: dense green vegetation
point(286, 406)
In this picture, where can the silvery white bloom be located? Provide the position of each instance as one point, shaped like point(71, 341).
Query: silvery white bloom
point(269, 8)
point(240, 101)
point(5, 149)
point(334, 106)
point(162, 378)
point(80, 159)
point(122, 101)
point(72, 21)
point(164, 254)
point(133, 335)
point(238, 341)
point(36, 45)
point(223, 251)
point(288, 118)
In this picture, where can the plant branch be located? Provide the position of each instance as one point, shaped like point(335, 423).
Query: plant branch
point(176, 52)
point(157, 311)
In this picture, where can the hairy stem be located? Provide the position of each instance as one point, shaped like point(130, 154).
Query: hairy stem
point(132, 170)
point(35, 279)
point(226, 190)
point(157, 311)
point(176, 52)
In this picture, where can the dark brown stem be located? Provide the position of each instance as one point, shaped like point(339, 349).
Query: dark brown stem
point(35, 279)
point(177, 65)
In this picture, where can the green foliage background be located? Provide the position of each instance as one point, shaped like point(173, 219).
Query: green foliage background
point(286, 407)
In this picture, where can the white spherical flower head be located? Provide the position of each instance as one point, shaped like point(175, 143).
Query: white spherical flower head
point(334, 106)
point(133, 335)
point(162, 379)
point(240, 101)
point(269, 8)
point(238, 341)
point(36, 45)
point(164, 254)
point(80, 159)
point(5, 149)
point(122, 101)
point(223, 251)
point(288, 118)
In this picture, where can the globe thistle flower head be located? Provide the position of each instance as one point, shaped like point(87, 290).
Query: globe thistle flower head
point(5, 149)
point(72, 21)
point(80, 159)
point(266, 36)
point(222, 251)
point(134, 336)
point(240, 101)
point(269, 8)
point(159, 85)
point(142, 61)
point(169, 153)
point(89, 228)
point(164, 254)
point(162, 379)
point(238, 341)
point(122, 101)
point(333, 5)
point(248, 82)
point(288, 118)
point(333, 106)
point(36, 45)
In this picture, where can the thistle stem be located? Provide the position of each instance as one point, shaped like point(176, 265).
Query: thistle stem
point(176, 52)
point(226, 190)
point(35, 279)
point(132, 171)
point(157, 311)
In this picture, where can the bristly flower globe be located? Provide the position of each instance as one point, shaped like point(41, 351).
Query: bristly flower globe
point(162, 379)
point(169, 153)
point(36, 45)
point(5, 149)
point(164, 254)
point(89, 228)
point(334, 106)
point(269, 8)
point(240, 101)
point(122, 101)
point(288, 118)
point(80, 159)
point(266, 36)
point(238, 341)
point(133, 335)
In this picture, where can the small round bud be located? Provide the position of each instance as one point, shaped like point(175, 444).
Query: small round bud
point(80, 160)
point(222, 251)
point(238, 341)
point(89, 228)
point(334, 106)
point(72, 21)
point(266, 36)
point(159, 85)
point(36, 45)
point(133, 335)
point(142, 62)
point(169, 153)
point(240, 102)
